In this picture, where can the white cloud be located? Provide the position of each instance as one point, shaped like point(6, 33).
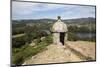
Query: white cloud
point(31, 9)
point(21, 8)
point(78, 12)
point(24, 8)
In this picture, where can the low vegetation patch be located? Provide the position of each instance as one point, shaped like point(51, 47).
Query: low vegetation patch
point(25, 52)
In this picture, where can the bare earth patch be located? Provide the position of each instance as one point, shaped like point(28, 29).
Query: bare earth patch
point(18, 35)
point(86, 48)
point(71, 52)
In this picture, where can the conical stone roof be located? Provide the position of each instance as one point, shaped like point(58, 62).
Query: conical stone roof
point(59, 26)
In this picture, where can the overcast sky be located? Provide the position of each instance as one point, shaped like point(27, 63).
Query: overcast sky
point(29, 10)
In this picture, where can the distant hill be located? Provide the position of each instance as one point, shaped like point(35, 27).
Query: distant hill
point(81, 20)
point(77, 20)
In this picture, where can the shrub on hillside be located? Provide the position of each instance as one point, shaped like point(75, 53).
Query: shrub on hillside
point(72, 37)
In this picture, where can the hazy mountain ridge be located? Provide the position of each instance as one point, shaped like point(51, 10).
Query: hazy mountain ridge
point(78, 20)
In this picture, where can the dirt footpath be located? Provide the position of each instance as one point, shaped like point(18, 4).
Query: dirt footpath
point(71, 52)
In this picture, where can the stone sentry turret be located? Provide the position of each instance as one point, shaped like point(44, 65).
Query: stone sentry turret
point(59, 32)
